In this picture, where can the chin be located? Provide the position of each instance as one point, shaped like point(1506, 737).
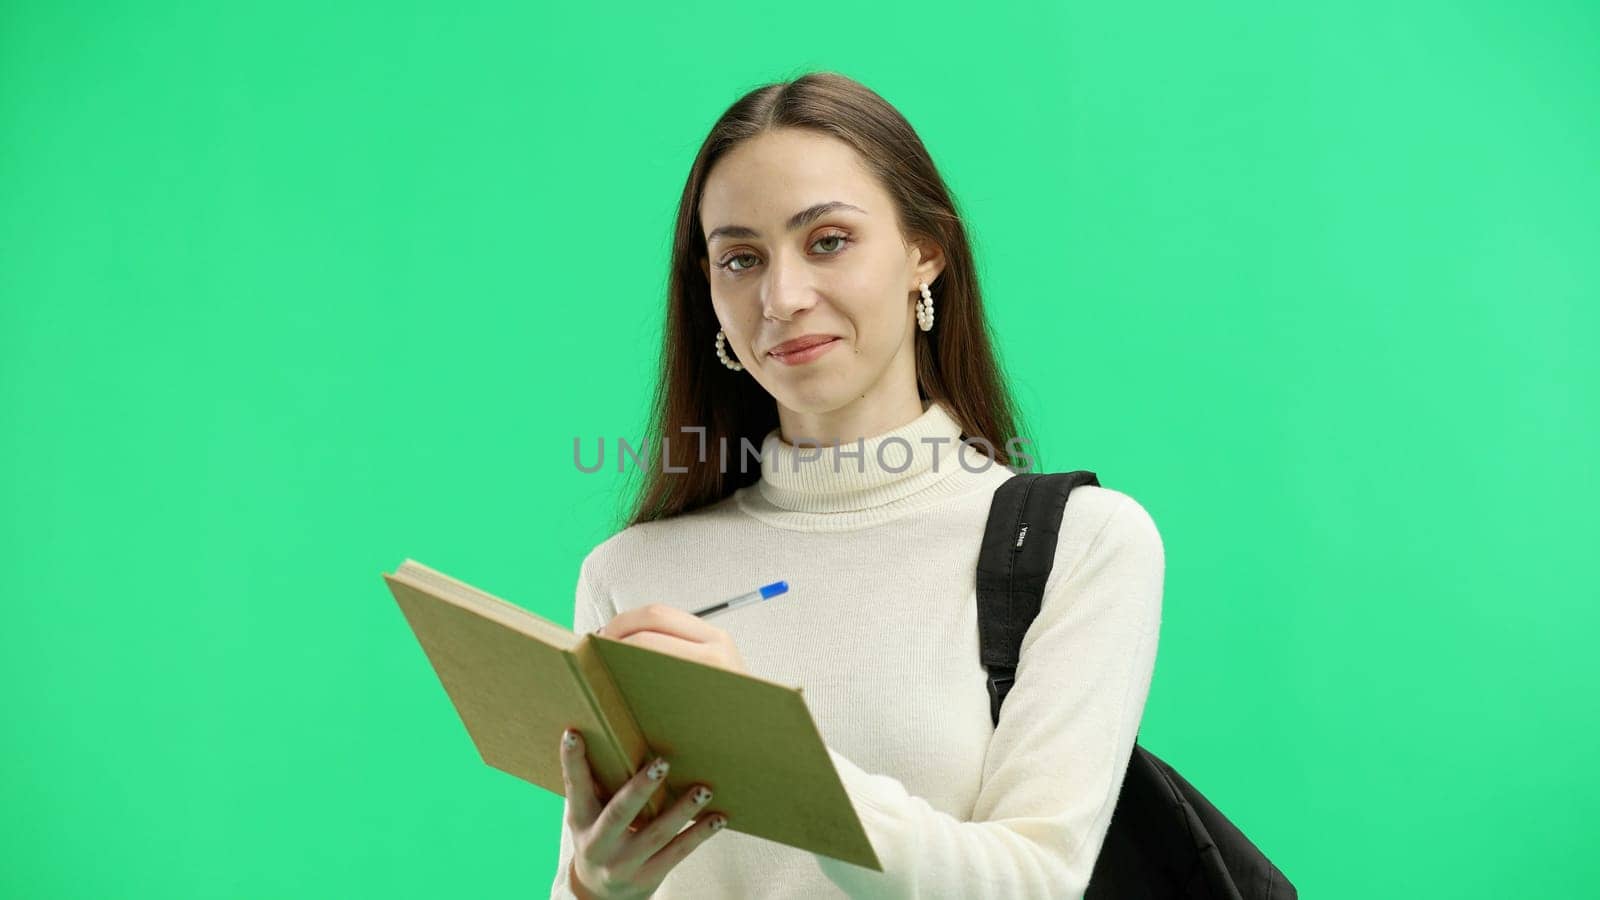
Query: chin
point(820, 398)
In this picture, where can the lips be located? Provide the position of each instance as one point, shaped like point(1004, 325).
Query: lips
point(801, 343)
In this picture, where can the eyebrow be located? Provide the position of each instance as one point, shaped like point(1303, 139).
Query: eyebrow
point(799, 220)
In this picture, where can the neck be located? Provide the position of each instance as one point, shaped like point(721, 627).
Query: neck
point(857, 482)
point(844, 426)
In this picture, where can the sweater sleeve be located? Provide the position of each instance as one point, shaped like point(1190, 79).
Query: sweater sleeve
point(1055, 763)
point(587, 615)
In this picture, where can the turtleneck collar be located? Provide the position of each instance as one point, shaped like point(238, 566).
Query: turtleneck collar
point(917, 459)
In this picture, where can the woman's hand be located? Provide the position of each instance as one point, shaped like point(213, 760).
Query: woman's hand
point(611, 860)
point(672, 630)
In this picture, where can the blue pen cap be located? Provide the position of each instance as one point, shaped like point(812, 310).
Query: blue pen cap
point(774, 589)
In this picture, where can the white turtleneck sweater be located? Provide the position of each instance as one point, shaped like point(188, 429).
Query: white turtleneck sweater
point(880, 629)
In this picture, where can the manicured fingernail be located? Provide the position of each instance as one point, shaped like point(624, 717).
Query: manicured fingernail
point(701, 795)
point(569, 739)
point(717, 823)
point(657, 770)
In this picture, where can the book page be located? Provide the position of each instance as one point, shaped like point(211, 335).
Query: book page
point(752, 741)
point(517, 682)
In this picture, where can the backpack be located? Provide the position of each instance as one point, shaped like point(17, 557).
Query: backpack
point(1165, 840)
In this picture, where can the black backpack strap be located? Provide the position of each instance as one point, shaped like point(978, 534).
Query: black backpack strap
point(1165, 839)
point(1019, 549)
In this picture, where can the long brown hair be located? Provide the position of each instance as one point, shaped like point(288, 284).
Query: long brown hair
point(955, 362)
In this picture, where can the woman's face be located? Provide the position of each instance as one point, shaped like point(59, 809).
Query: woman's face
point(843, 271)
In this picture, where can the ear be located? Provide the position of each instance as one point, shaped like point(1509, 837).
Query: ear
point(930, 260)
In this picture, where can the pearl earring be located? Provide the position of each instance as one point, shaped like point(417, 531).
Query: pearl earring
point(722, 353)
point(925, 309)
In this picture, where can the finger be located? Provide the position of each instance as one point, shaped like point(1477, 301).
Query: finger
point(622, 809)
point(656, 867)
point(666, 643)
point(583, 803)
point(652, 837)
point(663, 618)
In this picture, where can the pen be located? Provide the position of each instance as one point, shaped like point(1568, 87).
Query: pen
point(764, 592)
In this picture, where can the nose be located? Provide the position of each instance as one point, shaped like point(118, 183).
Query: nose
point(787, 291)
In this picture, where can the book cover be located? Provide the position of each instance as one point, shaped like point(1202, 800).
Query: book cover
point(517, 680)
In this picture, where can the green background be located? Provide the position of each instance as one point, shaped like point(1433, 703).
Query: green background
point(294, 292)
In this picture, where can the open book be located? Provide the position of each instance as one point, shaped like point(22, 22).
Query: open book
point(518, 680)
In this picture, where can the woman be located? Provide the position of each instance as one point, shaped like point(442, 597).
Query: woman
point(824, 307)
